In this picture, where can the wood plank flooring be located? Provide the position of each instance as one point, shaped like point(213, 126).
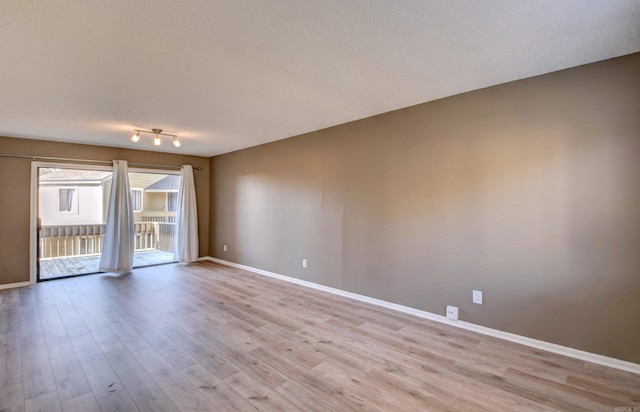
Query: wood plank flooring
point(206, 337)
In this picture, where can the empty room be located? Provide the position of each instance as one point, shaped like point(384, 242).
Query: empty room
point(320, 205)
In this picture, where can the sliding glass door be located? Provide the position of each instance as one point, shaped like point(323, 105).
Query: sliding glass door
point(72, 210)
point(154, 200)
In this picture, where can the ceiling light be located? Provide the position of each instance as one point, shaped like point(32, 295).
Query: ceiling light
point(157, 141)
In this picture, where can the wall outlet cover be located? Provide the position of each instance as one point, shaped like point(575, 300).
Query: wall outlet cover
point(477, 297)
point(452, 312)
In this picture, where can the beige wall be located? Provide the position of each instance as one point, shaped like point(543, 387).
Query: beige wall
point(528, 191)
point(15, 177)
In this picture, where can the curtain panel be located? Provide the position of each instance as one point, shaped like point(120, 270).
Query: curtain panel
point(186, 247)
point(119, 236)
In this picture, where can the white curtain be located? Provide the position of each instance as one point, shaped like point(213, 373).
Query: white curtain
point(119, 236)
point(186, 247)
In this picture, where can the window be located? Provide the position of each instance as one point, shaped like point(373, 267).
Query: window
point(172, 202)
point(65, 199)
point(136, 200)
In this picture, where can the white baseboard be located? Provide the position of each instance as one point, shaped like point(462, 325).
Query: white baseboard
point(15, 285)
point(534, 343)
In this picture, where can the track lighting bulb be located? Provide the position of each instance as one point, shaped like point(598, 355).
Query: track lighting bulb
point(158, 136)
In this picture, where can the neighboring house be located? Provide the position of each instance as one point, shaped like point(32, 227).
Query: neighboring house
point(161, 200)
point(72, 197)
point(81, 197)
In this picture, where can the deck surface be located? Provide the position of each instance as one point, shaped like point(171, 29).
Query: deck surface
point(78, 265)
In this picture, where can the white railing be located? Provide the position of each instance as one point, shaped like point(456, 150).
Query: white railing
point(161, 219)
point(75, 240)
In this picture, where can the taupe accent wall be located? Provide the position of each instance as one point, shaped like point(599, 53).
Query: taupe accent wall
point(528, 191)
point(15, 181)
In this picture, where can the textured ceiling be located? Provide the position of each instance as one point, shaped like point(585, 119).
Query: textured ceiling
point(230, 74)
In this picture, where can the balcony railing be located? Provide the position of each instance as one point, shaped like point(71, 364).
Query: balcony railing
point(162, 219)
point(77, 240)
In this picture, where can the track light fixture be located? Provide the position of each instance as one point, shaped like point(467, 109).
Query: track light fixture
point(156, 140)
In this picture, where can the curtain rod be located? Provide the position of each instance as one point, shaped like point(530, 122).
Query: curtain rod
point(65, 159)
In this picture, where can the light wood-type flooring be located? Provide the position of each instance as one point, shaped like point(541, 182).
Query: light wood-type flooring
point(209, 337)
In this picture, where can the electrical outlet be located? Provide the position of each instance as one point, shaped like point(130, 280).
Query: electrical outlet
point(224, 247)
point(452, 312)
point(304, 263)
point(477, 297)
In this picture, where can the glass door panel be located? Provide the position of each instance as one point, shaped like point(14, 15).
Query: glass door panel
point(72, 206)
point(153, 196)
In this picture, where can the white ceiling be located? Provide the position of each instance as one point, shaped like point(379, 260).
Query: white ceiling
point(229, 74)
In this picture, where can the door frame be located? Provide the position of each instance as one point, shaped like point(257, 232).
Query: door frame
point(34, 201)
